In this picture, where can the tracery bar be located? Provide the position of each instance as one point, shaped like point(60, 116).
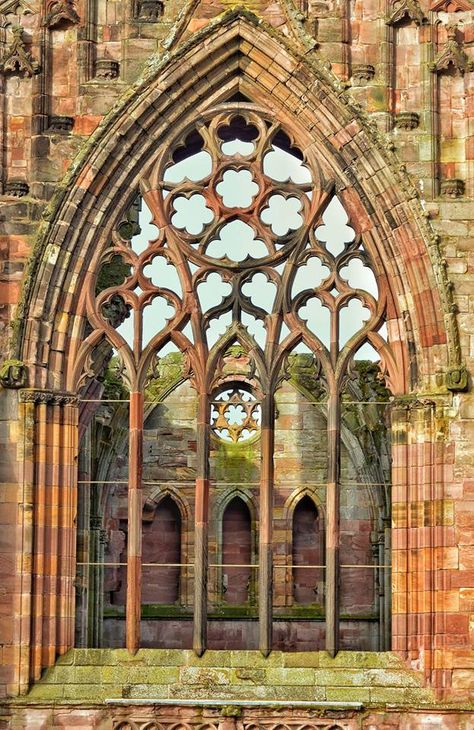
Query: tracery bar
point(134, 548)
point(265, 581)
point(332, 524)
point(201, 527)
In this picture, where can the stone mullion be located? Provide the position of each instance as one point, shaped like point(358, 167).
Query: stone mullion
point(134, 546)
point(201, 527)
point(332, 524)
point(265, 583)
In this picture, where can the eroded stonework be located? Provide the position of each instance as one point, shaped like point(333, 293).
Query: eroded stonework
point(381, 94)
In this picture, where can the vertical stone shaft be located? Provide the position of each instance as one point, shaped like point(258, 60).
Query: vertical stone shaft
point(39, 539)
point(68, 529)
point(400, 500)
point(134, 523)
point(265, 582)
point(332, 529)
point(201, 527)
point(24, 624)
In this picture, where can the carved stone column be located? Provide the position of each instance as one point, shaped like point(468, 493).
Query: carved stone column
point(50, 503)
point(420, 540)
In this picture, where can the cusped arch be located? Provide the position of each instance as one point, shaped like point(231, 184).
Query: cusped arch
point(378, 197)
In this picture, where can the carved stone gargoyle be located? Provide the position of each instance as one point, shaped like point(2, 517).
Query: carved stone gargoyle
point(17, 59)
point(13, 374)
point(60, 12)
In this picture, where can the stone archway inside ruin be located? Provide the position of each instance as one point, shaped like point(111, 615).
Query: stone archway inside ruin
point(236, 68)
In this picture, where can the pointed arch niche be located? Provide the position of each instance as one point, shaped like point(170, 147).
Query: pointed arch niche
point(284, 352)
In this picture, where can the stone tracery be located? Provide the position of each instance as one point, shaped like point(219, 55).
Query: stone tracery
point(311, 272)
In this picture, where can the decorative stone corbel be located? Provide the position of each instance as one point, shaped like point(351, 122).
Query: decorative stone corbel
point(106, 68)
point(406, 9)
point(362, 73)
point(452, 55)
point(13, 374)
point(60, 124)
point(60, 12)
point(149, 11)
point(17, 58)
point(457, 379)
point(407, 120)
point(16, 187)
point(452, 188)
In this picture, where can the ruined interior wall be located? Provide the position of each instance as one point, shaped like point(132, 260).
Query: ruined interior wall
point(300, 468)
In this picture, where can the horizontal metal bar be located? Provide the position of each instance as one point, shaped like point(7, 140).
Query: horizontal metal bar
point(231, 484)
point(234, 565)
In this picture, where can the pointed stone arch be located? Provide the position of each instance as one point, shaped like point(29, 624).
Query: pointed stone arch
point(226, 58)
point(236, 54)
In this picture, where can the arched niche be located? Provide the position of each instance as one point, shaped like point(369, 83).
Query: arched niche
point(236, 550)
point(307, 550)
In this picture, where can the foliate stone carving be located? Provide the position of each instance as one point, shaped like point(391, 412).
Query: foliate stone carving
point(149, 11)
point(13, 374)
point(16, 187)
point(48, 397)
point(407, 120)
point(115, 310)
point(406, 9)
point(362, 73)
point(17, 59)
point(60, 124)
point(452, 55)
point(452, 188)
point(457, 379)
point(106, 68)
point(60, 12)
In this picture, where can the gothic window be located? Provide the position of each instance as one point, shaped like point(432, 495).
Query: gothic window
point(236, 340)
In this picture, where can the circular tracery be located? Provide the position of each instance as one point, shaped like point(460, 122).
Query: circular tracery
point(253, 177)
point(235, 415)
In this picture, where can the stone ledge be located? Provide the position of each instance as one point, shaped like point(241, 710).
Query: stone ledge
point(97, 675)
